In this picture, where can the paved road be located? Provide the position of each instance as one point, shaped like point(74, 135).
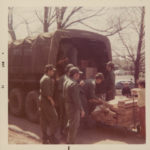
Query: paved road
point(22, 131)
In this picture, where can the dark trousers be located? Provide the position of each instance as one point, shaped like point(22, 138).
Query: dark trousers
point(48, 119)
point(88, 109)
point(62, 115)
point(73, 116)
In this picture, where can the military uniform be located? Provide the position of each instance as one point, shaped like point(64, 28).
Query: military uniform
point(73, 108)
point(61, 102)
point(88, 92)
point(110, 85)
point(48, 115)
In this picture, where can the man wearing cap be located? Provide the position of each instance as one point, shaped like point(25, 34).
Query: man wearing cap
point(73, 104)
point(110, 81)
point(89, 97)
point(60, 99)
point(48, 115)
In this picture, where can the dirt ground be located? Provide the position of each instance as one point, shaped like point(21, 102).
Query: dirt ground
point(20, 138)
point(21, 131)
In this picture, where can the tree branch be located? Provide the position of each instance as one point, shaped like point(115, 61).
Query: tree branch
point(51, 17)
point(125, 45)
point(81, 19)
point(70, 15)
point(106, 30)
point(39, 17)
point(94, 28)
point(122, 56)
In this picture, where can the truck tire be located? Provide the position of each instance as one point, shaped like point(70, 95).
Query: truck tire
point(16, 102)
point(31, 106)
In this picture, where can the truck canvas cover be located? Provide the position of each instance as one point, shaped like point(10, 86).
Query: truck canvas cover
point(44, 48)
point(72, 33)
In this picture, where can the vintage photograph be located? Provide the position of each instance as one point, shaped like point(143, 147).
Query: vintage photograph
point(76, 75)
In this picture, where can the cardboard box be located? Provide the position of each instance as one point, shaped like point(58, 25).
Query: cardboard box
point(123, 113)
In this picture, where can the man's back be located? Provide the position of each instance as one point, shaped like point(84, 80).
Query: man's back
point(71, 93)
point(88, 88)
point(46, 86)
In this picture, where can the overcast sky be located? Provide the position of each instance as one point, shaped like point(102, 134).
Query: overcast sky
point(99, 22)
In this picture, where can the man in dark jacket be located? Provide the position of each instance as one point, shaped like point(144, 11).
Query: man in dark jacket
point(90, 99)
point(110, 81)
point(48, 115)
point(73, 104)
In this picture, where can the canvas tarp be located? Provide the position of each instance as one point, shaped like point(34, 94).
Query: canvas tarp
point(71, 33)
point(45, 46)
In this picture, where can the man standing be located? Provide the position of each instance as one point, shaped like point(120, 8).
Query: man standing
point(110, 81)
point(73, 104)
point(48, 115)
point(61, 99)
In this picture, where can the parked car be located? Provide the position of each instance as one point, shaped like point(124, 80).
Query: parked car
point(120, 84)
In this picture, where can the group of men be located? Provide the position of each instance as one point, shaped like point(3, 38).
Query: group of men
point(66, 102)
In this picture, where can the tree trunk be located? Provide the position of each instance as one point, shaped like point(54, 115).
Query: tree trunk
point(58, 13)
point(46, 25)
point(10, 24)
point(58, 25)
point(12, 33)
point(138, 57)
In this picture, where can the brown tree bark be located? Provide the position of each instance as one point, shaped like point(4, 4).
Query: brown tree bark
point(10, 24)
point(139, 48)
point(46, 24)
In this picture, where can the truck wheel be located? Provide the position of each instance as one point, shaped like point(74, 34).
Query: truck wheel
point(31, 106)
point(16, 102)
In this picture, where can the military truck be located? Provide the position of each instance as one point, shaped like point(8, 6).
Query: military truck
point(27, 58)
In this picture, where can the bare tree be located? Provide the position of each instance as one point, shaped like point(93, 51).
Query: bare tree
point(139, 47)
point(25, 22)
point(135, 53)
point(48, 18)
point(12, 27)
point(65, 22)
point(63, 17)
point(10, 23)
point(111, 30)
point(60, 16)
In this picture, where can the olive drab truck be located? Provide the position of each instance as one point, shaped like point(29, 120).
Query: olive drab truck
point(27, 58)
